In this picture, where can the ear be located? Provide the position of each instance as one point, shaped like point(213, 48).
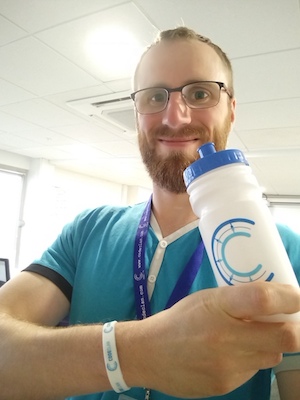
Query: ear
point(232, 110)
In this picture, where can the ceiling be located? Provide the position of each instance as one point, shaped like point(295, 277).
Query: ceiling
point(48, 81)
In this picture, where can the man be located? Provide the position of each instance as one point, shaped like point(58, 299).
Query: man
point(204, 344)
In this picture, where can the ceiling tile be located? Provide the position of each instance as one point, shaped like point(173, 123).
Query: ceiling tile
point(8, 141)
point(241, 28)
point(120, 85)
point(71, 39)
point(49, 153)
point(81, 151)
point(40, 14)
point(277, 172)
point(268, 114)
point(121, 148)
point(86, 133)
point(12, 124)
point(9, 31)
point(63, 97)
point(254, 76)
point(45, 137)
point(41, 112)
point(269, 139)
point(10, 93)
point(264, 183)
point(234, 141)
point(40, 70)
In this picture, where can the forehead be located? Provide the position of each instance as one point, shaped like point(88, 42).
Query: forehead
point(173, 63)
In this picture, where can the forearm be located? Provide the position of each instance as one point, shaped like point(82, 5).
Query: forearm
point(179, 351)
point(44, 363)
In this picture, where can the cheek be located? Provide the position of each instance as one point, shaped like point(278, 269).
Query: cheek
point(146, 122)
point(143, 125)
point(214, 118)
point(208, 117)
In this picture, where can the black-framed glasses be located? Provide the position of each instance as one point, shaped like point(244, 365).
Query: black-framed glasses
point(202, 94)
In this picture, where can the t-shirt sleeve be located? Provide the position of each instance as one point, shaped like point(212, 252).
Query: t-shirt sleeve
point(291, 241)
point(58, 262)
point(54, 277)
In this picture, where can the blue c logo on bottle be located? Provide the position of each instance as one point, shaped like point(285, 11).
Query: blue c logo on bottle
point(225, 233)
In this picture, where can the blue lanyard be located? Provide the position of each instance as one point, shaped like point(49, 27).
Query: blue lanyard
point(184, 283)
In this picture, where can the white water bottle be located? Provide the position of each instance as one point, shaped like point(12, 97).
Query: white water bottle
point(237, 228)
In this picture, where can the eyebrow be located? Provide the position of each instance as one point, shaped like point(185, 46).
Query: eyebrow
point(189, 82)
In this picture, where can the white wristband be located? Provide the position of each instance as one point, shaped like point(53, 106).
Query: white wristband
point(111, 358)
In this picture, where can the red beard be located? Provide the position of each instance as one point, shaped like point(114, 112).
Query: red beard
point(167, 171)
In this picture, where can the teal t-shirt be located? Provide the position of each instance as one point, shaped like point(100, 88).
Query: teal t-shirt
point(95, 254)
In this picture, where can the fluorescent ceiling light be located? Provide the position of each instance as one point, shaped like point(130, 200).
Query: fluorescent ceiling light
point(114, 49)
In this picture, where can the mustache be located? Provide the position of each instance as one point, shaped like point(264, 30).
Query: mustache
point(188, 131)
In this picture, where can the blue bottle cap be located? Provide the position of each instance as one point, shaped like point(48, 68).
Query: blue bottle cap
point(211, 159)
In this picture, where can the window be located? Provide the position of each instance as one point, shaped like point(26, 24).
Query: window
point(11, 186)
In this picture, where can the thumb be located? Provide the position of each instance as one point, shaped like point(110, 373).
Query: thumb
point(259, 299)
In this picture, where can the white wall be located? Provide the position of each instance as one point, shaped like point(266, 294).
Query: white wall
point(54, 197)
point(14, 160)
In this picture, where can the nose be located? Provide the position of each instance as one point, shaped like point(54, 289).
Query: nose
point(177, 113)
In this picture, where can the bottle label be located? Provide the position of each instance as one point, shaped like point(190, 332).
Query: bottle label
point(229, 236)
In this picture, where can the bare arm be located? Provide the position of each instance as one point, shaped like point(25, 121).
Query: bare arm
point(202, 336)
point(40, 363)
point(47, 363)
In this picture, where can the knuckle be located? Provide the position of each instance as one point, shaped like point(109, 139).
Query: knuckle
point(263, 298)
point(277, 358)
point(272, 360)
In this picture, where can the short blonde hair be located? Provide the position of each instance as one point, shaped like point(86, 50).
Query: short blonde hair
point(185, 33)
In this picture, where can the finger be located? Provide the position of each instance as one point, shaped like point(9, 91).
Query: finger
point(266, 360)
point(249, 337)
point(259, 298)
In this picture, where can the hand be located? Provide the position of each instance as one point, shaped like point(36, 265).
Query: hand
point(208, 343)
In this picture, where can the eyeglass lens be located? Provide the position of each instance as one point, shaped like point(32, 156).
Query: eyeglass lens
point(195, 95)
